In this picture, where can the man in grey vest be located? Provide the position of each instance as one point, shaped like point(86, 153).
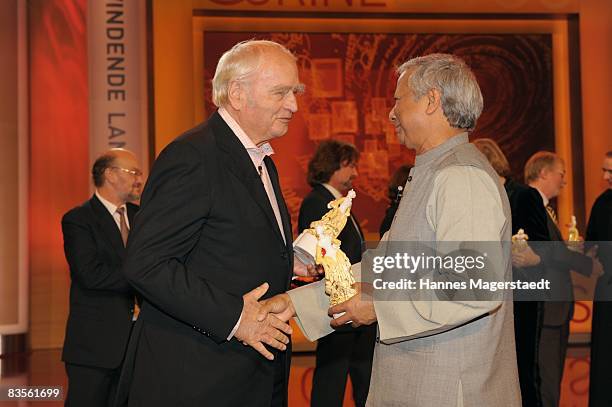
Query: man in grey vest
point(430, 353)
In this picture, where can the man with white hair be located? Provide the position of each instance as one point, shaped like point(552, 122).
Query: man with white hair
point(430, 352)
point(545, 172)
point(212, 238)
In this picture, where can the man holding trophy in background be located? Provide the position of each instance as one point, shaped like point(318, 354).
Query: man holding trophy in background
point(348, 351)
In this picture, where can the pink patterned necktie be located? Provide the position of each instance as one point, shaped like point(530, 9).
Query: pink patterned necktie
point(123, 227)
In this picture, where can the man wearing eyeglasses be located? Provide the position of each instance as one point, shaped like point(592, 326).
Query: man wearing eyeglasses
point(545, 172)
point(101, 300)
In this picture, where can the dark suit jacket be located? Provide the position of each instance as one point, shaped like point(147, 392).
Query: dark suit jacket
point(530, 214)
point(314, 206)
point(206, 235)
point(101, 300)
point(599, 232)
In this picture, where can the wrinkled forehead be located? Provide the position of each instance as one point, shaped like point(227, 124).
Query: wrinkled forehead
point(273, 61)
point(559, 165)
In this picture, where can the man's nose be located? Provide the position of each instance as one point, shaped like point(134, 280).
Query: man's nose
point(291, 102)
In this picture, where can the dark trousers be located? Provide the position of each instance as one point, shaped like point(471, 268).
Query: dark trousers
point(91, 386)
point(553, 349)
point(345, 352)
point(281, 381)
point(527, 332)
point(600, 389)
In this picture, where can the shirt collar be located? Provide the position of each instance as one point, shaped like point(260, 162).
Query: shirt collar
point(546, 201)
point(333, 190)
point(112, 208)
point(257, 154)
point(438, 151)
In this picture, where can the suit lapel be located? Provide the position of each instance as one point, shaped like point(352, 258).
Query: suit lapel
point(131, 213)
point(108, 225)
point(284, 212)
point(356, 225)
point(553, 229)
point(239, 162)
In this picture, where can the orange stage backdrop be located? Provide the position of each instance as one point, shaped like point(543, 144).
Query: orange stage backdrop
point(59, 98)
point(59, 155)
point(58, 88)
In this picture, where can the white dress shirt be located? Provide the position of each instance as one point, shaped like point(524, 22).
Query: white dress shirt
point(112, 209)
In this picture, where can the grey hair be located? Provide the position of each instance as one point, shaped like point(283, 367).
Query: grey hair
point(539, 161)
point(459, 91)
point(238, 63)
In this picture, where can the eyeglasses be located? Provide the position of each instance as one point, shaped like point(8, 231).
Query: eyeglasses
point(136, 173)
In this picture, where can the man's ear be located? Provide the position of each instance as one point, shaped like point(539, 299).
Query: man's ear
point(236, 94)
point(433, 101)
point(109, 175)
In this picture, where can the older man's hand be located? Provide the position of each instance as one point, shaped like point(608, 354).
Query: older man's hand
point(359, 310)
point(280, 306)
point(258, 327)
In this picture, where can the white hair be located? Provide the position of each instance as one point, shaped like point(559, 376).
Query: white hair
point(459, 91)
point(238, 63)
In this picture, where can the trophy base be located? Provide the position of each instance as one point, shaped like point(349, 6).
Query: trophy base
point(303, 256)
point(305, 248)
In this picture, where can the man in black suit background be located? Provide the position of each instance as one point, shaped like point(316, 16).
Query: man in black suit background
point(349, 350)
point(599, 231)
point(545, 173)
point(528, 214)
point(213, 236)
point(101, 300)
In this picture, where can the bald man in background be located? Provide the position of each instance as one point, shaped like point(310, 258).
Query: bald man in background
point(101, 300)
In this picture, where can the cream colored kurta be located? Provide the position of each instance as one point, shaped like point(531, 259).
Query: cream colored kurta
point(429, 352)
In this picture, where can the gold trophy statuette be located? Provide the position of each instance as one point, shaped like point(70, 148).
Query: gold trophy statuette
point(519, 241)
point(321, 242)
point(573, 234)
point(573, 237)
